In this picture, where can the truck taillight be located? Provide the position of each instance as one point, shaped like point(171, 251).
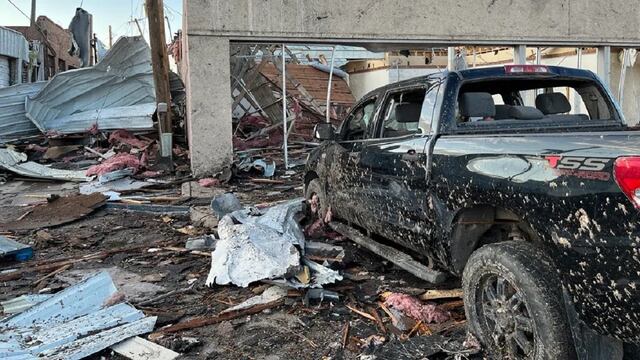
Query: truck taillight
point(526, 69)
point(627, 173)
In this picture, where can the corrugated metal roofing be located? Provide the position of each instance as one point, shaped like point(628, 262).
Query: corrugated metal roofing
point(13, 120)
point(13, 44)
point(77, 100)
point(72, 324)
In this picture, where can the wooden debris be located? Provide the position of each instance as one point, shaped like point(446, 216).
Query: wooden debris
point(53, 273)
point(267, 181)
point(377, 318)
point(205, 320)
point(345, 334)
point(441, 294)
point(452, 305)
point(361, 313)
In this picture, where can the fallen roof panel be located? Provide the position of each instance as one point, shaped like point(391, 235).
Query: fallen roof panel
point(72, 324)
point(117, 93)
point(14, 123)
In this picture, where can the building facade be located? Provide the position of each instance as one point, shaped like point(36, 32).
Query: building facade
point(14, 55)
point(55, 42)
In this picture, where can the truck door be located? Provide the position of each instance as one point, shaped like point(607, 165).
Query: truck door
point(397, 161)
point(345, 183)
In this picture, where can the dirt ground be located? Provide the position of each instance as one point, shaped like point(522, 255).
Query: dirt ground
point(146, 257)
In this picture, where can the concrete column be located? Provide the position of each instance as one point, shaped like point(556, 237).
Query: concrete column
point(604, 64)
point(520, 54)
point(208, 89)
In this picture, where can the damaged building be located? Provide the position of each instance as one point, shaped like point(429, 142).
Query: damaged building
point(320, 180)
point(49, 45)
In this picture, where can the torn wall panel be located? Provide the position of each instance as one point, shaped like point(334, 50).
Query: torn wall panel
point(14, 123)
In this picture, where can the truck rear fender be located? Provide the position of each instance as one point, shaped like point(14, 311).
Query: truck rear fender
point(476, 226)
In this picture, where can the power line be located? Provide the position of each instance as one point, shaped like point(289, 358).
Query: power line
point(22, 12)
point(172, 9)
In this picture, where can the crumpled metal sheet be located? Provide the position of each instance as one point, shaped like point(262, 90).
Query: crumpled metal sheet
point(14, 124)
point(268, 170)
point(265, 245)
point(17, 162)
point(257, 246)
point(117, 93)
point(72, 324)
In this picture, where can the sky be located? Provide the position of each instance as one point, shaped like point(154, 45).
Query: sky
point(117, 13)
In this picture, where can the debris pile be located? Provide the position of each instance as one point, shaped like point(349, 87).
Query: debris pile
point(92, 123)
point(72, 324)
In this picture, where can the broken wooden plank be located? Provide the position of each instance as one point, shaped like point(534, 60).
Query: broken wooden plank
point(361, 313)
point(205, 320)
point(397, 257)
point(441, 294)
point(137, 348)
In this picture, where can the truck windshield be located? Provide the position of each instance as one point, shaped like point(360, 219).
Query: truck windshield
point(546, 101)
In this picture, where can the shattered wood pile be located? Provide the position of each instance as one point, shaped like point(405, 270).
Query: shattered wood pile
point(257, 93)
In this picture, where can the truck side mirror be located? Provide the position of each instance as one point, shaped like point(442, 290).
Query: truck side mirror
point(324, 131)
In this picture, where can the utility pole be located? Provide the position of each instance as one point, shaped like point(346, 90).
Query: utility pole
point(33, 13)
point(110, 37)
point(160, 63)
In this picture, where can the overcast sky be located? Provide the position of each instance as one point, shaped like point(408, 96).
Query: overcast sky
point(117, 13)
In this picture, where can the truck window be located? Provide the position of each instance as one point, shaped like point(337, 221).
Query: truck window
point(546, 101)
point(402, 113)
point(356, 125)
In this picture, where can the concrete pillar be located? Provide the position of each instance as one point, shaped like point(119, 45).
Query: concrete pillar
point(208, 89)
point(520, 54)
point(604, 64)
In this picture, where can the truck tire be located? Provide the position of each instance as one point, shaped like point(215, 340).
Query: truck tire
point(514, 305)
point(314, 190)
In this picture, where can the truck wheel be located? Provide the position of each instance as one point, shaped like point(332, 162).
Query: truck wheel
point(316, 199)
point(513, 301)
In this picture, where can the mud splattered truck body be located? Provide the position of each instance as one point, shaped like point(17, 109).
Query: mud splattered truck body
point(522, 180)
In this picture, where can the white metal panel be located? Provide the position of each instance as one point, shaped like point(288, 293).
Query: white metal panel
point(13, 44)
point(5, 74)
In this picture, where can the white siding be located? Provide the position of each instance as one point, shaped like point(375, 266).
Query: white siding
point(5, 74)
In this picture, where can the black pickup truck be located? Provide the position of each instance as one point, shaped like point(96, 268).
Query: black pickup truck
point(522, 180)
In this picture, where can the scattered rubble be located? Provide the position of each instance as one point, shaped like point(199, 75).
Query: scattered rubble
point(60, 210)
